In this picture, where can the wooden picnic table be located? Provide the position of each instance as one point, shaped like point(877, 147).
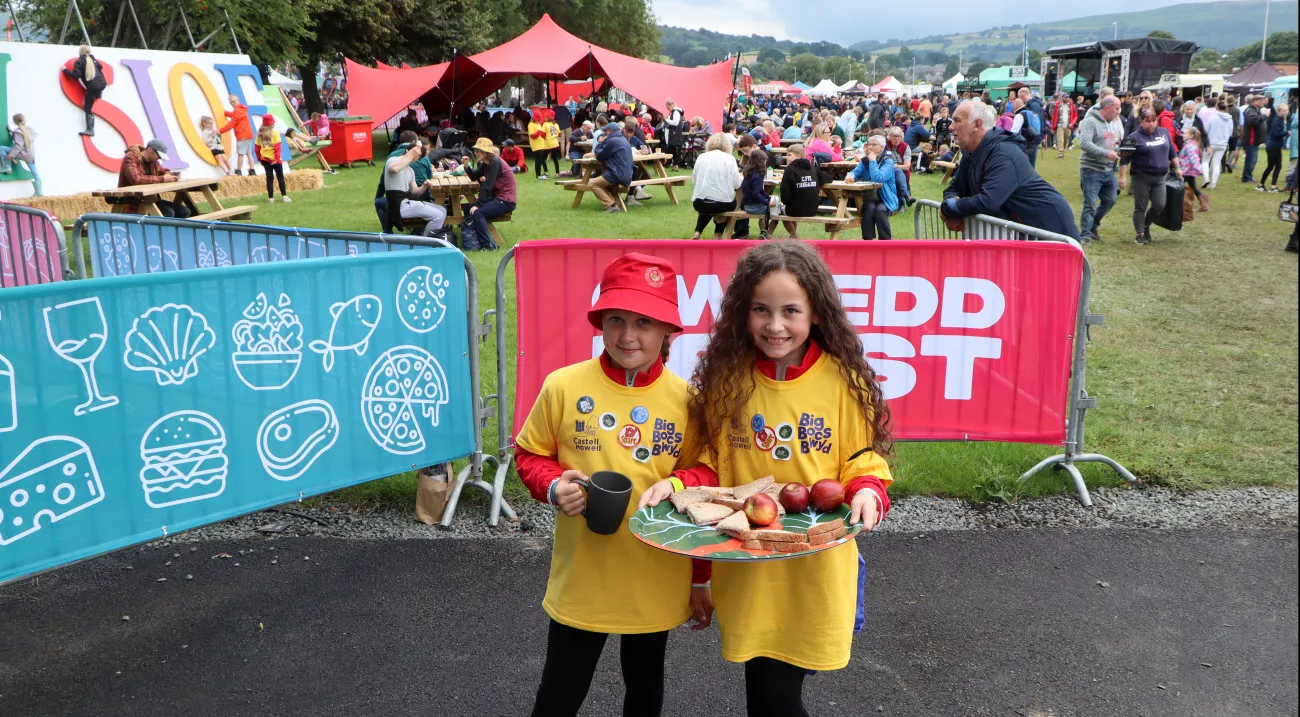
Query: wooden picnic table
point(787, 142)
point(948, 169)
point(848, 197)
point(460, 191)
point(145, 198)
point(839, 170)
point(649, 167)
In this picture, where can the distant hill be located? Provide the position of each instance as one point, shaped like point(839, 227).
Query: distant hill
point(1221, 25)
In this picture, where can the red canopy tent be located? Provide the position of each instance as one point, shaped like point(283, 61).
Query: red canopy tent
point(561, 91)
point(545, 51)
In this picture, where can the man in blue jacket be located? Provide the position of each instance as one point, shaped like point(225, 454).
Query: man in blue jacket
point(995, 178)
point(916, 133)
point(615, 153)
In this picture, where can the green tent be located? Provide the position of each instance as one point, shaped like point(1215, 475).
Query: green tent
point(997, 79)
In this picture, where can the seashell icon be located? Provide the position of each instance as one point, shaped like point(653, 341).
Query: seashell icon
point(168, 340)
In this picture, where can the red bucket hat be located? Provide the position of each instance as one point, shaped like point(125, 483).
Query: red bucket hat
point(268, 120)
point(641, 283)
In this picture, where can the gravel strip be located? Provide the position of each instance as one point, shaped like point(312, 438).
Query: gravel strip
point(1247, 508)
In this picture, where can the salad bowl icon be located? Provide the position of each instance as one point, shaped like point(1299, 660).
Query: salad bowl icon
point(268, 344)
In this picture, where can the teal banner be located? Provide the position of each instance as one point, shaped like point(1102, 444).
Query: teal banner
point(140, 406)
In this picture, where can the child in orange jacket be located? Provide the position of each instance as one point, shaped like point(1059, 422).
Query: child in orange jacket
point(237, 119)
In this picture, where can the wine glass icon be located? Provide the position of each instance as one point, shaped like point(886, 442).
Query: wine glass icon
point(77, 333)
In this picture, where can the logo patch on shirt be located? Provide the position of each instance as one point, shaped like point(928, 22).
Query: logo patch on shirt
point(586, 439)
point(608, 421)
point(757, 423)
point(586, 405)
point(640, 415)
point(641, 454)
point(785, 432)
point(629, 435)
point(765, 439)
point(814, 435)
point(781, 453)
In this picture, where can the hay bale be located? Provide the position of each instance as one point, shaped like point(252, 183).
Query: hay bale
point(68, 208)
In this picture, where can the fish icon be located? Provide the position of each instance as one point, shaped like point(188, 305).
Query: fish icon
point(354, 322)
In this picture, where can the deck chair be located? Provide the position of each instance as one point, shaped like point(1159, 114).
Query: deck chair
point(278, 104)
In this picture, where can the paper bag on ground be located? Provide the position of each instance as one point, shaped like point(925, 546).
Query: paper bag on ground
point(431, 493)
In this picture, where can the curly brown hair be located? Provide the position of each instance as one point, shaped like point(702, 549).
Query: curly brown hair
point(723, 376)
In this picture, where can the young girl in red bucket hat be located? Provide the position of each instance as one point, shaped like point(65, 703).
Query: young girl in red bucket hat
point(621, 411)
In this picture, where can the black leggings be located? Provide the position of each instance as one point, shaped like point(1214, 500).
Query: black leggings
point(1191, 182)
point(1274, 165)
point(707, 208)
point(277, 169)
point(571, 657)
point(539, 160)
point(89, 103)
point(774, 688)
point(875, 220)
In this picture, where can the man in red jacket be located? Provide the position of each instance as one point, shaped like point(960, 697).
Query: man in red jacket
point(1065, 117)
point(237, 119)
point(142, 164)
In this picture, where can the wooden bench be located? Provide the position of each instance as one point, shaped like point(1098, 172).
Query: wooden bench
point(232, 213)
point(948, 169)
point(832, 224)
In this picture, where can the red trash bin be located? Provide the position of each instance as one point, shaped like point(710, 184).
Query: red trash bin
point(349, 142)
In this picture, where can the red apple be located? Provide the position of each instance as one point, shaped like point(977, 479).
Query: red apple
point(760, 509)
point(827, 495)
point(794, 497)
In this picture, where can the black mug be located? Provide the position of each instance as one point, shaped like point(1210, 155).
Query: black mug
point(608, 494)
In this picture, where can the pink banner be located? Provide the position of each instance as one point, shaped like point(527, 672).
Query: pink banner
point(29, 249)
point(972, 340)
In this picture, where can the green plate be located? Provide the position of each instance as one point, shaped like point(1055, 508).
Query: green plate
point(664, 528)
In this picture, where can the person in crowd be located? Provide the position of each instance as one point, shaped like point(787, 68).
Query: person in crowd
point(497, 195)
point(801, 184)
point(902, 156)
point(630, 133)
point(916, 133)
point(943, 126)
point(1218, 136)
point(701, 126)
point(837, 148)
point(1187, 116)
point(877, 166)
point(945, 153)
point(405, 194)
point(926, 109)
point(878, 113)
point(1293, 147)
point(268, 154)
point(22, 148)
point(410, 122)
point(615, 153)
point(563, 120)
point(496, 128)
point(295, 139)
point(646, 122)
point(716, 178)
point(754, 198)
point(1100, 133)
point(1065, 117)
point(237, 120)
point(142, 164)
point(771, 137)
point(1255, 129)
point(212, 140)
point(1166, 119)
point(90, 73)
point(794, 131)
point(1029, 123)
point(581, 133)
point(513, 156)
point(1275, 140)
point(1149, 164)
point(1189, 161)
point(1008, 116)
point(537, 143)
point(674, 132)
point(995, 178)
point(1235, 145)
point(552, 143)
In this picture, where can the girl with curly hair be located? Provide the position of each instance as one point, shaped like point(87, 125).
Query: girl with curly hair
point(784, 360)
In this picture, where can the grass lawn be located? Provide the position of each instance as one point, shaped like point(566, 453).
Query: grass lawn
point(1195, 368)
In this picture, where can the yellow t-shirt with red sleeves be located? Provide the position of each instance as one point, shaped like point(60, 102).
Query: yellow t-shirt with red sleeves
point(587, 422)
point(802, 430)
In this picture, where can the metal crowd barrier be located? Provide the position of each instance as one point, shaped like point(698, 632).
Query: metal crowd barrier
point(248, 244)
point(929, 219)
point(31, 243)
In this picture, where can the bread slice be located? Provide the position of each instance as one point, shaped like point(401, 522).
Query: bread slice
point(708, 513)
point(715, 490)
point(827, 537)
point(827, 527)
point(774, 491)
point(752, 545)
point(741, 492)
point(729, 502)
point(784, 547)
point(683, 498)
point(734, 523)
point(781, 536)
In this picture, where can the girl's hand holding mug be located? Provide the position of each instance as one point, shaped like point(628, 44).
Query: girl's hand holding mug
point(568, 497)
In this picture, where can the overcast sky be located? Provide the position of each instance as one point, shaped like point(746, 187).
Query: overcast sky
point(785, 20)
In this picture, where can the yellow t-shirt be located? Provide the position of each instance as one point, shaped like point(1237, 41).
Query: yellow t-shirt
point(552, 135)
point(535, 143)
point(587, 422)
point(800, 610)
point(266, 152)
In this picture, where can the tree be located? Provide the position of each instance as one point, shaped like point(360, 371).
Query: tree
point(1282, 47)
point(771, 53)
point(1035, 59)
point(807, 67)
point(626, 26)
point(975, 68)
point(838, 69)
point(950, 67)
point(1161, 35)
point(1207, 59)
point(905, 57)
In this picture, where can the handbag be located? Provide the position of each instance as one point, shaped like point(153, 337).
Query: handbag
point(1172, 217)
point(1289, 211)
point(432, 491)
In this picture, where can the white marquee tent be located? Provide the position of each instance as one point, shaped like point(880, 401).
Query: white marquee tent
point(950, 85)
point(825, 87)
point(889, 86)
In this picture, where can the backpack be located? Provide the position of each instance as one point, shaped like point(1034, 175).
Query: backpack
point(1031, 128)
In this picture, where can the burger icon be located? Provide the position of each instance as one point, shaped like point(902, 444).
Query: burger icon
point(184, 459)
